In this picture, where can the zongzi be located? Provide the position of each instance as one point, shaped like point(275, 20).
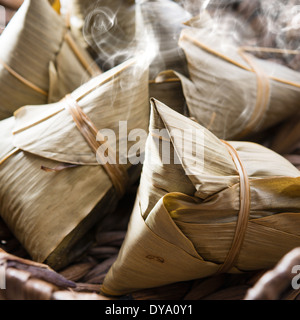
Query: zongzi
point(230, 91)
point(115, 30)
point(59, 174)
point(40, 62)
point(204, 206)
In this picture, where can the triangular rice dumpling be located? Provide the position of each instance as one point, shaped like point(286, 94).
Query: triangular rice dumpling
point(213, 206)
point(231, 92)
point(116, 29)
point(40, 62)
point(54, 182)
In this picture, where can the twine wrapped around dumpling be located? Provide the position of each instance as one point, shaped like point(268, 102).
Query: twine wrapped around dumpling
point(40, 62)
point(55, 182)
point(214, 207)
point(231, 92)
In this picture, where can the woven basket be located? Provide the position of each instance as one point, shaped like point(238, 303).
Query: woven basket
point(27, 280)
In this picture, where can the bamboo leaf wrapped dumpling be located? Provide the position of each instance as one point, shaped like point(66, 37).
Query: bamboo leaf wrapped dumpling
point(116, 29)
point(40, 62)
point(230, 207)
point(231, 92)
point(54, 183)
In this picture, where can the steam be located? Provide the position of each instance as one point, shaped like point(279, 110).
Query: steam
point(272, 23)
point(109, 38)
point(119, 30)
point(260, 23)
point(163, 20)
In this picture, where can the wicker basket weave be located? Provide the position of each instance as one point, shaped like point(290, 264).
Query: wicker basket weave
point(27, 280)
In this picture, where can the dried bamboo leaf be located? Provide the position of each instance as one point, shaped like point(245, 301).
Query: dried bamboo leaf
point(56, 209)
point(185, 216)
point(156, 32)
point(231, 92)
point(35, 41)
point(128, 27)
point(167, 88)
